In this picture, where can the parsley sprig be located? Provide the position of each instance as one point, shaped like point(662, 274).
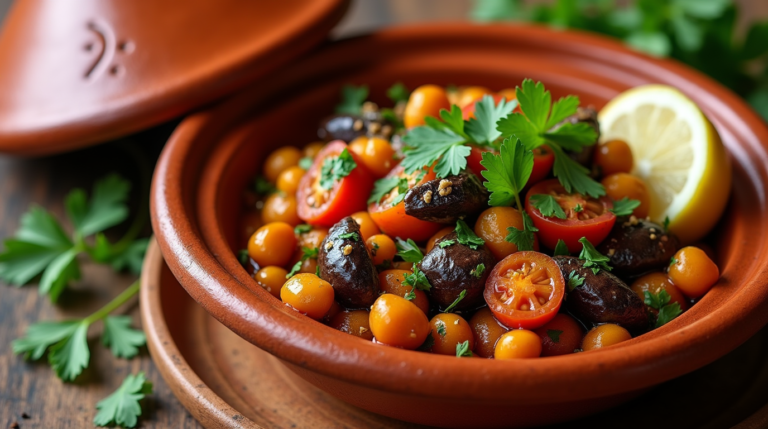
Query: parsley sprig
point(592, 258)
point(66, 342)
point(122, 407)
point(456, 301)
point(42, 247)
point(539, 124)
point(624, 207)
point(660, 302)
point(466, 236)
point(547, 205)
point(336, 168)
point(408, 250)
point(352, 99)
point(306, 253)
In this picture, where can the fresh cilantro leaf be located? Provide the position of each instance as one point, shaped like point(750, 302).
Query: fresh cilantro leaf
point(482, 128)
point(60, 271)
point(657, 300)
point(518, 127)
point(466, 236)
point(578, 208)
point(573, 176)
point(121, 338)
point(666, 223)
point(561, 249)
point(453, 119)
point(445, 243)
point(336, 168)
point(302, 229)
point(427, 145)
point(507, 173)
point(441, 328)
point(243, 257)
point(462, 349)
point(562, 109)
point(402, 190)
point(554, 335)
point(122, 407)
point(624, 206)
point(350, 236)
point(42, 335)
point(306, 163)
point(524, 238)
point(574, 281)
point(317, 271)
point(70, 356)
point(547, 205)
point(352, 99)
point(535, 102)
point(417, 279)
point(410, 295)
point(592, 258)
point(667, 313)
point(263, 186)
point(105, 209)
point(132, 258)
point(382, 188)
point(408, 250)
point(398, 92)
point(456, 301)
point(307, 253)
point(672, 261)
point(572, 136)
point(478, 271)
point(390, 116)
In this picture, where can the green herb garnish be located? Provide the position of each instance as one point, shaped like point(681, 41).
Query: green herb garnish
point(456, 301)
point(574, 281)
point(561, 249)
point(302, 229)
point(445, 243)
point(122, 407)
point(417, 279)
point(466, 236)
point(398, 93)
point(592, 258)
point(547, 205)
point(522, 238)
point(462, 349)
point(478, 271)
point(336, 168)
point(306, 253)
point(554, 335)
point(408, 250)
point(660, 302)
point(624, 207)
point(352, 99)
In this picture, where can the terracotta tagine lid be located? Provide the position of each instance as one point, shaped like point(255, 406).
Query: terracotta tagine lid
point(76, 76)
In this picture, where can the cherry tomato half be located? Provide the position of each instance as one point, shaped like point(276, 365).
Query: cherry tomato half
point(585, 217)
point(392, 218)
point(543, 159)
point(325, 207)
point(525, 290)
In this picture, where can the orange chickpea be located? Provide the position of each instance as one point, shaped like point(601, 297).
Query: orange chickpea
point(288, 180)
point(604, 336)
point(354, 323)
point(657, 282)
point(368, 227)
point(311, 150)
point(280, 160)
point(486, 332)
point(272, 244)
point(397, 322)
point(560, 336)
point(518, 344)
point(448, 331)
point(403, 265)
point(376, 153)
point(311, 240)
point(280, 207)
point(308, 294)
point(271, 278)
point(620, 185)
point(381, 248)
point(508, 93)
point(470, 94)
point(332, 312)
point(693, 273)
point(438, 235)
point(391, 281)
point(426, 100)
point(492, 226)
point(614, 156)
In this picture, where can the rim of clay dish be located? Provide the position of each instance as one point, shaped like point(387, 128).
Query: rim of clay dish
point(200, 258)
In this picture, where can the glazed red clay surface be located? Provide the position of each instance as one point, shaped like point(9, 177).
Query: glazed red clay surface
point(213, 154)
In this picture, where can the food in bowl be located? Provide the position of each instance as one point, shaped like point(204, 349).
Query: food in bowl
point(505, 229)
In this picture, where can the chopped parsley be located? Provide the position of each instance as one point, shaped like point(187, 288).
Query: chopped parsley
point(574, 281)
point(478, 271)
point(547, 205)
point(122, 407)
point(408, 250)
point(302, 229)
point(456, 301)
point(336, 168)
point(624, 206)
point(666, 223)
point(554, 335)
point(350, 236)
point(306, 253)
point(263, 186)
point(466, 236)
point(522, 238)
point(243, 257)
point(592, 258)
point(462, 349)
point(352, 99)
point(441, 328)
point(578, 208)
point(445, 243)
point(382, 187)
point(398, 93)
point(410, 295)
point(317, 271)
point(417, 279)
point(561, 249)
point(536, 126)
point(306, 163)
point(660, 302)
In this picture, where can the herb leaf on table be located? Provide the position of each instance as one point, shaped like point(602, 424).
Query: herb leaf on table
point(122, 407)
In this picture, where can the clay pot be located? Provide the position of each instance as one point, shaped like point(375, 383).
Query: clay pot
point(212, 156)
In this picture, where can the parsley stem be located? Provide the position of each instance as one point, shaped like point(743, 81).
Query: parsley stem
point(519, 204)
point(114, 304)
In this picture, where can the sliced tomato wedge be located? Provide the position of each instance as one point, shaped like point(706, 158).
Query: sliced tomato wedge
point(391, 218)
point(584, 217)
point(543, 159)
point(349, 194)
point(525, 290)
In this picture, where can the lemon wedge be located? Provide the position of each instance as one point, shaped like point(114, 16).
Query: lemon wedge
point(677, 152)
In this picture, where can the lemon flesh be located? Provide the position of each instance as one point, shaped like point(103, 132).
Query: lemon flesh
point(677, 152)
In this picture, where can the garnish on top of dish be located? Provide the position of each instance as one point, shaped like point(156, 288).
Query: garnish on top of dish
point(467, 222)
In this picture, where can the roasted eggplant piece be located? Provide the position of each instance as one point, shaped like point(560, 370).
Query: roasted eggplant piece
point(454, 268)
point(602, 297)
point(636, 246)
point(345, 263)
point(587, 115)
point(348, 127)
point(447, 200)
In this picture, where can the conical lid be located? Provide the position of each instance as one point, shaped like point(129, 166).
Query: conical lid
point(76, 74)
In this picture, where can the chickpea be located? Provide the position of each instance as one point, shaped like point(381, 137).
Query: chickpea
point(279, 160)
point(272, 244)
point(486, 330)
point(657, 282)
point(288, 180)
point(381, 248)
point(271, 278)
point(560, 336)
point(438, 235)
point(391, 281)
point(614, 156)
point(604, 336)
point(377, 154)
point(518, 344)
point(492, 226)
point(368, 227)
point(620, 185)
point(397, 322)
point(426, 100)
point(448, 331)
point(354, 323)
point(308, 294)
point(280, 207)
point(693, 273)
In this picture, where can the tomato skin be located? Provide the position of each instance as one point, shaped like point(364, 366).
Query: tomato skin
point(570, 231)
point(393, 221)
point(347, 196)
point(543, 159)
point(503, 280)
